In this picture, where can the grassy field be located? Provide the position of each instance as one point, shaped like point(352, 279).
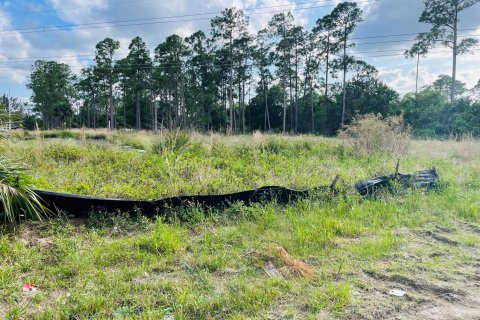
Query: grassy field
point(212, 266)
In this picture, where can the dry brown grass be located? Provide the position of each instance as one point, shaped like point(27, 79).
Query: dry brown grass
point(372, 134)
point(294, 266)
point(464, 149)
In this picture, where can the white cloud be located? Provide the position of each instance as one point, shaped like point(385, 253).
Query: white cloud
point(382, 17)
point(14, 45)
point(403, 80)
point(76, 10)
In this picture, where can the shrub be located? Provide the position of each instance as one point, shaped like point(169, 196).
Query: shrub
point(373, 134)
point(275, 146)
point(96, 136)
point(63, 152)
point(61, 134)
point(173, 142)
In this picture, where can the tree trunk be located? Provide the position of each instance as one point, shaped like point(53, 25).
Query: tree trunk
point(138, 111)
point(311, 106)
point(124, 111)
point(224, 98)
point(182, 101)
point(94, 113)
point(292, 102)
point(107, 113)
point(296, 89)
point(326, 83)
point(110, 102)
point(284, 106)
point(243, 106)
point(455, 49)
point(267, 114)
point(240, 97)
point(416, 82)
point(344, 77)
point(156, 115)
point(88, 115)
point(230, 91)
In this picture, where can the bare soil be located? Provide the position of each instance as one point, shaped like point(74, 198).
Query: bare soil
point(438, 270)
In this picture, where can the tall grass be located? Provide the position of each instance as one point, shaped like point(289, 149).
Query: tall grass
point(116, 266)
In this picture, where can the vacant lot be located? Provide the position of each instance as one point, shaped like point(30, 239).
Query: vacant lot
point(212, 266)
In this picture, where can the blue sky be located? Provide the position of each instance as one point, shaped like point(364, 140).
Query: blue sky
point(19, 48)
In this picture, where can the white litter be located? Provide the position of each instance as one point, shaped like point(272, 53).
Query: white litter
point(272, 271)
point(397, 293)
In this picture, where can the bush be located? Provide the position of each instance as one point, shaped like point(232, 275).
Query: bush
point(63, 152)
point(373, 134)
point(173, 142)
point(61, 134)
point(96, 136)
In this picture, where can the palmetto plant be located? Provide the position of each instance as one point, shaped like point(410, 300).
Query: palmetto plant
point(17, 201)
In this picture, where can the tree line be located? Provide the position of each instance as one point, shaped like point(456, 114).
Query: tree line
point(282, 79)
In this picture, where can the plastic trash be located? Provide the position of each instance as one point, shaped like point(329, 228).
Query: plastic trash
point(196, 275)
point(397, 293)
point(28, 287)
point(168, 314)
point(121, 312)
point(272, 271)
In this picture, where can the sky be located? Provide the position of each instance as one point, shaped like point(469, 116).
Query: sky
point(67, 31)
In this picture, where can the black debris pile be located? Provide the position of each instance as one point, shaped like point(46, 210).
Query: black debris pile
point(81, 206)
point(425, 179)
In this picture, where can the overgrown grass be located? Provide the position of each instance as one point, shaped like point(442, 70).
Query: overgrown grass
point(119, 267)
point(176, 163)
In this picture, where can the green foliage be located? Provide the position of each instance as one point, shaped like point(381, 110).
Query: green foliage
point(52, 86)
point(107, 168)
point(116, 265)
point(173, 142)
point(377, 247)
point(437, 117)
point(443, 85)
point(165, 239)
point(120, 222)
point(203, 83)
point(18, 201)
point(136, 70)
point(333, 296)
point(61, 134)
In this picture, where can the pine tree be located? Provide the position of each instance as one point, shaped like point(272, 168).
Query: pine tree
point(137, 68)
point(444, 16)
point(231, 23)
point(280, 27)
point(105, 72)
point(171, 57)
point(347, 16)
point(263, 58)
